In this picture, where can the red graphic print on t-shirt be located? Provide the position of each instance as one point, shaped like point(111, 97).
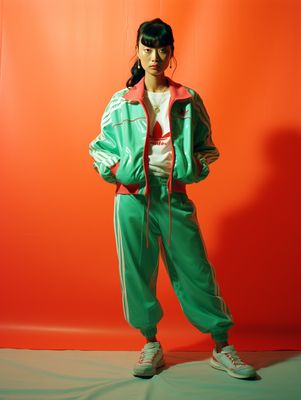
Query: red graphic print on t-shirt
point(158, 137)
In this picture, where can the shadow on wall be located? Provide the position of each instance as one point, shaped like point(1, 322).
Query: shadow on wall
point(259, 249)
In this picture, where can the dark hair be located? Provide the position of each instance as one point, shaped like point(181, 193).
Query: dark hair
point(154, 33)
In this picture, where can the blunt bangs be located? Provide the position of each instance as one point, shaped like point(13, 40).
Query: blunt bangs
point(156, 37)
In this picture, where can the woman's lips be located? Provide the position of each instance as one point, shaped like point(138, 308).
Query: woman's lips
point(155, 66)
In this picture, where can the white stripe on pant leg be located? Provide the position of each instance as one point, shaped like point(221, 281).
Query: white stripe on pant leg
point(117, 234)
point(121, 259)
point(217, 293)
point(122, 265)
point(119, 250)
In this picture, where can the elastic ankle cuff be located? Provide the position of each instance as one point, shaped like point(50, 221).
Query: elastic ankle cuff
point(220, 337)
point(149, 332)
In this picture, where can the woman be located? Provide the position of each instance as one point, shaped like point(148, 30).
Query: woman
point(156, 138)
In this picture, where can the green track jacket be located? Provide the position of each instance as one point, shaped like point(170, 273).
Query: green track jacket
point(120, 151)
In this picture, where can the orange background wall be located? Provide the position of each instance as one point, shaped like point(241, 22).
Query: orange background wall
point(61, 60)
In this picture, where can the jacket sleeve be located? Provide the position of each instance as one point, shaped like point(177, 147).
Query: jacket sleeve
point(205, 151)
point(104, 149)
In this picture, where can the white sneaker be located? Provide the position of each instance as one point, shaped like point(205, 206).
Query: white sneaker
point(151, 358)
point(228, 360)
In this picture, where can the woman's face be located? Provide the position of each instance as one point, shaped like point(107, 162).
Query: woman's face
point(154, 60)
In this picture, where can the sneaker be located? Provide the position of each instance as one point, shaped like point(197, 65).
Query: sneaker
point(228, 360)
point(151, 358)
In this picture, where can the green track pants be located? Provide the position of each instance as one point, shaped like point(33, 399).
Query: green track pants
point(191, 274)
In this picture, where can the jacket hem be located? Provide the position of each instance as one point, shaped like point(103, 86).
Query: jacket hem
point(137, 189)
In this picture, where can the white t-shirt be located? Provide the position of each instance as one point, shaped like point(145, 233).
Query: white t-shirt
point(160, 147)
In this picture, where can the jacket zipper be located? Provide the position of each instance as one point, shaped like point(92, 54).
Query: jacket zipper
point(169, 182)
point(145, 150)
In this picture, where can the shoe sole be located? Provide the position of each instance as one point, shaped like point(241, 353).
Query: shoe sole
point(219, 366)
point(149, 374)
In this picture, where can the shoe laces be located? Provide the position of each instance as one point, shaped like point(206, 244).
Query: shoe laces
point(147, 355)
point(234, 358)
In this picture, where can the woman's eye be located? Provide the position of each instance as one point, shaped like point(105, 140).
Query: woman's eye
point(163, 50)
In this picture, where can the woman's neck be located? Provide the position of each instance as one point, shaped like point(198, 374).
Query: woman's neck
point(155, 83)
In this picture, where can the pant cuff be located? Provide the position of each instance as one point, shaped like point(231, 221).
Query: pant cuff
point(220, 337)
point(149, 332)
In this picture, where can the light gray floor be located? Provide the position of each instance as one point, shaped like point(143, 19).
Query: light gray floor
point(107, 375)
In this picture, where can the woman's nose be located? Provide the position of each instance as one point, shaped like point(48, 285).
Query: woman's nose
point(155, 55)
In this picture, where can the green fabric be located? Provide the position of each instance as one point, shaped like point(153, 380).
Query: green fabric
point(191, 274)
point(124, 133)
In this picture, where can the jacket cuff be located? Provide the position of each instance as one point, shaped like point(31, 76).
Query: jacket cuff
point(203, 169)
point(199, 165)
point(114, 168)
point(104, 172)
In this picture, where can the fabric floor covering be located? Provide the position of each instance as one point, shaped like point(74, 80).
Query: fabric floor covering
point(107, 375)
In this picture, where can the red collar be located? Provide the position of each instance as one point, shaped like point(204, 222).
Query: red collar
point(177, 91)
